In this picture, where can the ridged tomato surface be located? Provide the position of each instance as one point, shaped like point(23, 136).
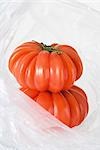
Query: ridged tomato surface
point(70, 107)
point(41, 67)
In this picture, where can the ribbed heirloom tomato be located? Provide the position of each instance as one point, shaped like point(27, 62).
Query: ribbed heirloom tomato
point(70, 107)
point(41, 67)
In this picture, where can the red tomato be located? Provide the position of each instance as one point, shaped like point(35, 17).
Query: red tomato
point(70, 107)
point(41, 67)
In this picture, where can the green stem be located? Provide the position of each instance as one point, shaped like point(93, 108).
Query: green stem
point(50, 48)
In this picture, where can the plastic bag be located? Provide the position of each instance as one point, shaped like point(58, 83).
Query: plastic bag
point(24, 125)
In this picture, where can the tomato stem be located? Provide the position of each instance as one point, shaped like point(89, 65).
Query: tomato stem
point(50, 48)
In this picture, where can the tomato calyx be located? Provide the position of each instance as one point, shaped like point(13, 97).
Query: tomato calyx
point(50, 48)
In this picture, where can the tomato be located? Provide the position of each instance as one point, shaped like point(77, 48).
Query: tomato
point(70, 107)
point(41, 67)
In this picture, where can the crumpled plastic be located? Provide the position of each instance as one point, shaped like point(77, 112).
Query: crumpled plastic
point(24, 125)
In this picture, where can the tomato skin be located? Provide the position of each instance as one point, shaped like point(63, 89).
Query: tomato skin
point(43, 67)
point(56, 79)
point(45, 100)
point(22, 68)
point(30, 92)
point(74, 108)
point(61, 108)
point(76, 88)
point(15, 56)
point(70, 107)
point(41, 76)
point(71, 52)
point(29, 74)
point(35, 46)
point(82, 102)
point(15, 65)
point(71, 71)
point(79, 91)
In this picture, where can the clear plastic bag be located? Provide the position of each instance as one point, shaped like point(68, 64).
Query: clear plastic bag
point(24, 125)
